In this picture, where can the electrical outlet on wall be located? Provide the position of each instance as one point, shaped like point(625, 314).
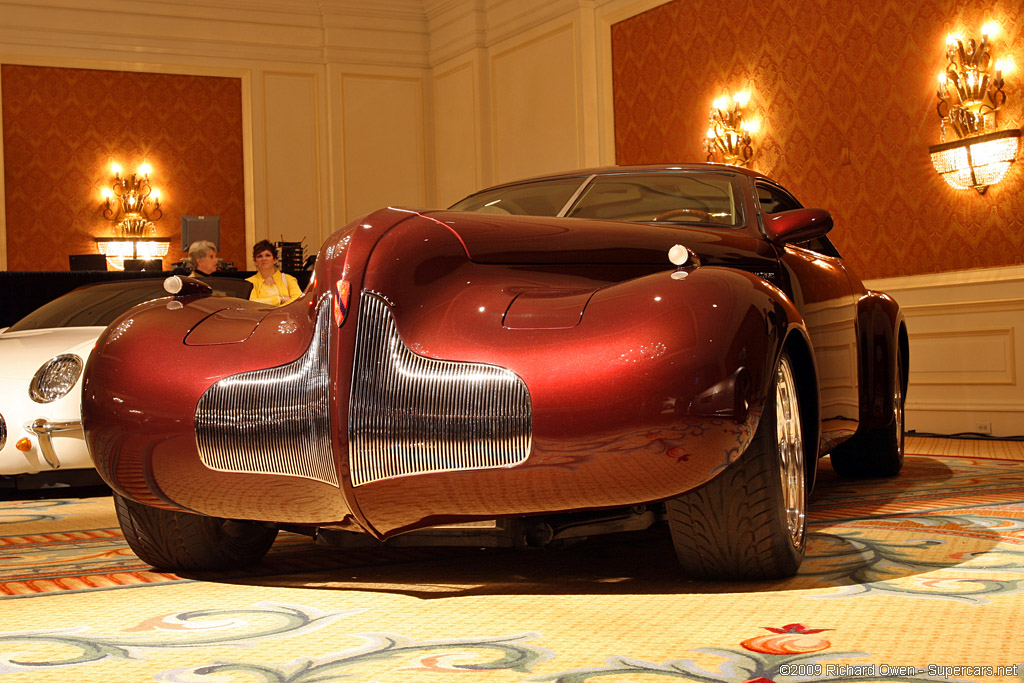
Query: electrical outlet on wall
point(983, 427)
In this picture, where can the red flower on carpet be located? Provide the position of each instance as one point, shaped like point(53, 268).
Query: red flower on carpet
point(791, 639)
point(440, 663)
point(172, 622)
point(678, 453)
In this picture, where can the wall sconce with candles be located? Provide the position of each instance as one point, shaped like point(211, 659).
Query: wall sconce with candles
point(970, 94)
point(730, 130)
point(132, 205)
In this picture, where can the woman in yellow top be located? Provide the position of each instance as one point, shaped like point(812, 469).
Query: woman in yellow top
point(270, 285)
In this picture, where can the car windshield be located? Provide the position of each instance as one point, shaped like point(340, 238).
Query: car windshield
point(99, 305)
point(542, 198)
point(652, 197)
point(706, 198)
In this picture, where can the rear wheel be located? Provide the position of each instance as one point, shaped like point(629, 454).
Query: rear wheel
point(179, 541)
point(750, 522)
point(877, 452)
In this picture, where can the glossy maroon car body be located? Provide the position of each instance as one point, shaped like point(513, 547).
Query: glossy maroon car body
point(644, 380)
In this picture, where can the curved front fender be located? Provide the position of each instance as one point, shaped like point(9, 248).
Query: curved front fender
point(655, 391)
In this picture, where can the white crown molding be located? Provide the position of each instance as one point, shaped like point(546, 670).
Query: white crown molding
point(460, 26)
point(378, 32)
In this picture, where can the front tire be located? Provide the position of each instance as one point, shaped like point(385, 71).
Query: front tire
point(877, 452)
point(750, 522)
point(179, 541)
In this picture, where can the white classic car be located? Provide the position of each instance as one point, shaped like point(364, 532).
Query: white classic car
point(41, 361)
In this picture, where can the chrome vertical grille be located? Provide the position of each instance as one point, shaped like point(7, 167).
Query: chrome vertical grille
point(273, 421)
point(412, 415)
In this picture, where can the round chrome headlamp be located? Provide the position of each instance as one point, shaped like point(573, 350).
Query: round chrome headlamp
point(55, 378)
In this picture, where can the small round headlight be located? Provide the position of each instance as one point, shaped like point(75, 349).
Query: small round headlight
point(55, 378)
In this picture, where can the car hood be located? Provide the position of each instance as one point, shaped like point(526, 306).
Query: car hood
point(21, 353)
point(530, 240)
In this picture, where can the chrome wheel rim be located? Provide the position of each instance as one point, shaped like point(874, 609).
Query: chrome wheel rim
point(791, 452)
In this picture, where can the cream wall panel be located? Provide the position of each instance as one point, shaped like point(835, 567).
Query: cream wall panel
point(534, 106)
point(939, 357)
point(456, 133)
point(966, 332)
point(291, 144)
point(383, 142)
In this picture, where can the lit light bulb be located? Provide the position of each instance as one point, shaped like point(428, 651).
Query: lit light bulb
point(991, 29)
point(942, 77)
point(952, 38)
point(721, 103)
point(751, 126)
point(155, 194)
point(742, 98)
point(116, 168)
point(711, 134)
point(107, 193)
point(1006, 65)
point(145, 169)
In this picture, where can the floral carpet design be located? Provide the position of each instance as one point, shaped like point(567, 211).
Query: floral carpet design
point(916, 579)
point(23, 511)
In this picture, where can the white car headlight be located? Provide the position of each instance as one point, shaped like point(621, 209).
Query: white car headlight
point(55, 378)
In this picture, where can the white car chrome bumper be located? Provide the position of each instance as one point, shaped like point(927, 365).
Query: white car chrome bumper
point(44, 430)
point(39, 437)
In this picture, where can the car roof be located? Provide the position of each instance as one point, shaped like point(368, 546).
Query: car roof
point(638, 168)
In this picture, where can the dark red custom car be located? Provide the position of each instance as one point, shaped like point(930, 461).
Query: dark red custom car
point(571, 355)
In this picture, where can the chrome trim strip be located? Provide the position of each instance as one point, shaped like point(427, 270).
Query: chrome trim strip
point(276, 420)
point(409, 414)
point(575, 195)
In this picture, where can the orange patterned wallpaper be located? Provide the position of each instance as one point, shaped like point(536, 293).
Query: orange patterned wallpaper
point(61, 128)
point(827, 75)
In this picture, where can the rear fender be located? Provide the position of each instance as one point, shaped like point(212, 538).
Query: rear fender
point(881, 333)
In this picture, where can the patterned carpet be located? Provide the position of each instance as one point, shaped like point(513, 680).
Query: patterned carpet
point(917, 578)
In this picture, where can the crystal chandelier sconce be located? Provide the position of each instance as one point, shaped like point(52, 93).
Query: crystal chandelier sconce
point(132, 205)
point(970, 94)
point(728, 138)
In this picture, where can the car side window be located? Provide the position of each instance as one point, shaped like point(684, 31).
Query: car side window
point(775, 200)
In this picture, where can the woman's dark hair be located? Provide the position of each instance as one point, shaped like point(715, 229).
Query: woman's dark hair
point(262, 246)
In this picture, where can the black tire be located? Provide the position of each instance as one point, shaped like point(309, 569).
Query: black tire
point(179, 541)
point(750, 522)
point(877, 452)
